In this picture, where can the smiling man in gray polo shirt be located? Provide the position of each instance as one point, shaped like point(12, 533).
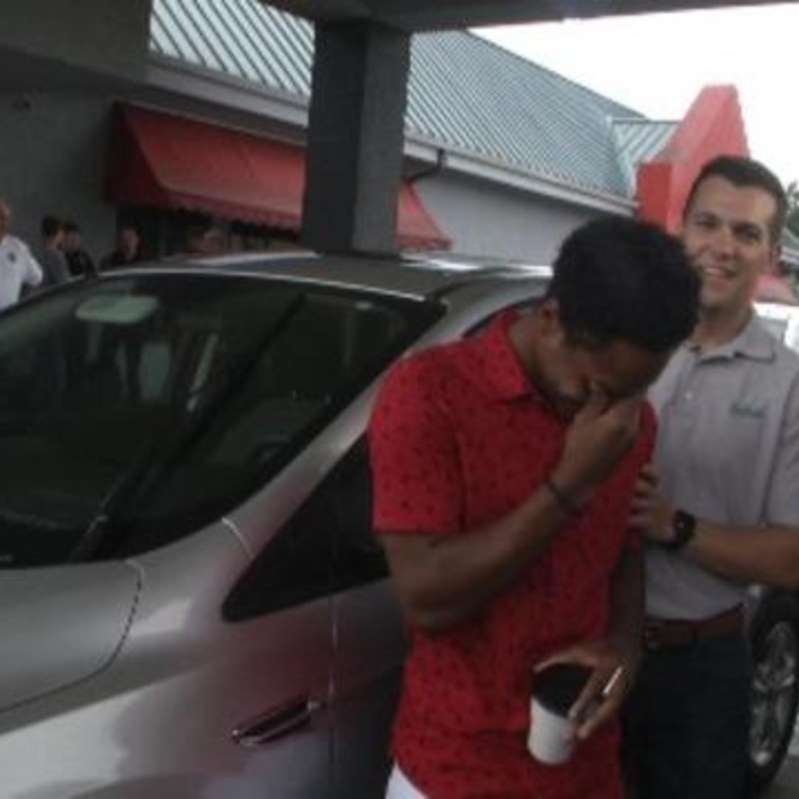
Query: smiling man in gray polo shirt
point(720, 505)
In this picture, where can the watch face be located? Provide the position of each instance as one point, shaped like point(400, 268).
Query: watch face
point(684, 525)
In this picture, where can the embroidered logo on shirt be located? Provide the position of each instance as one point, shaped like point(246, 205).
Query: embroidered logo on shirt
point(12, 256)
point(752, 410)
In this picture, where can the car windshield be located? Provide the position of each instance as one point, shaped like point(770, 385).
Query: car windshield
point(191, 388)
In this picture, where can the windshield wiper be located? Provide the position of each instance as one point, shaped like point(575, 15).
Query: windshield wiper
point(157, 458)
point(120, 488)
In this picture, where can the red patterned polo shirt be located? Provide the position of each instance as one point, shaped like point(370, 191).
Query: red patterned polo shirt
point(458, 438)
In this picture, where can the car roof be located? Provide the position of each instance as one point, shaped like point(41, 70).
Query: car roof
point(777, 310)
point(417, 276)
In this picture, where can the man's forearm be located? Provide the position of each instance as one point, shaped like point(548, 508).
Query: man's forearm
point(768, 555)
point(442, 581)
point(627, 605)
point(445, 580)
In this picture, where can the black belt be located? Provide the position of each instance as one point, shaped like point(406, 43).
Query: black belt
point(674, 633)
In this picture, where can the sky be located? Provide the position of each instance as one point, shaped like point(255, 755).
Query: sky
point(658, 63)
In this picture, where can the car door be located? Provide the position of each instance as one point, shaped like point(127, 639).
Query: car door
point(242, 689)
point(370, 644)
point(370, 635)
point(267, 687)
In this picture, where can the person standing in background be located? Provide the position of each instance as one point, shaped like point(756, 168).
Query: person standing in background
point(204, 238)
point(79, 261)
point(128, 249)
point(54, 264)
point(18, 267)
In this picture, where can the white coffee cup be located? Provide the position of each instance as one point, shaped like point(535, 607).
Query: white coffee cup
point(551, 737)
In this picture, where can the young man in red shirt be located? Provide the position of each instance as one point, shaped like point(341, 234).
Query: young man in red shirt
point(504, 467)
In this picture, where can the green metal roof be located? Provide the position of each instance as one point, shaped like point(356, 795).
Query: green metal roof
point(469, 93)
point(242, 38)
point(639, 140)
point(465, 93)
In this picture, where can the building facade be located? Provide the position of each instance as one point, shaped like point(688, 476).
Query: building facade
point(190, 117)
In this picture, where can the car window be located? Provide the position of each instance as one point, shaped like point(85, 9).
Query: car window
point(73, 410)
point(327, 546)
point(137, 409)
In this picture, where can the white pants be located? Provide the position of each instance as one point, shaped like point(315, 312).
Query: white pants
point(400, 787)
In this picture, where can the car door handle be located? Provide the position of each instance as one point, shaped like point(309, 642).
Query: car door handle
point(282, 720)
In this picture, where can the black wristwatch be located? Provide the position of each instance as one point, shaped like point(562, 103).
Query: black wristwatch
point(683, 525)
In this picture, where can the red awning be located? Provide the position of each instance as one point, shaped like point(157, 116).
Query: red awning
point(168, 161)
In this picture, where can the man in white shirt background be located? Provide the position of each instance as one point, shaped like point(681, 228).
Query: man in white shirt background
point(17, 266)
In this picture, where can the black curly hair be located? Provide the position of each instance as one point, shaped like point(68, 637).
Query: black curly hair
point(618, 278)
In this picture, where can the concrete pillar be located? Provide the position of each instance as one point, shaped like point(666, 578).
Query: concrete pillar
point(355, 137)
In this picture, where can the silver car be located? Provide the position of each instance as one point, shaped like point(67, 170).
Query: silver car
point(774, 631)
point(191, 601)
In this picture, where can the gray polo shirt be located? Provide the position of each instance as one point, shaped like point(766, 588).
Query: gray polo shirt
point(727, 451)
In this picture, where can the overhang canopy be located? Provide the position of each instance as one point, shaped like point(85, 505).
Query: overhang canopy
point(420, 15)
point(174, 162)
